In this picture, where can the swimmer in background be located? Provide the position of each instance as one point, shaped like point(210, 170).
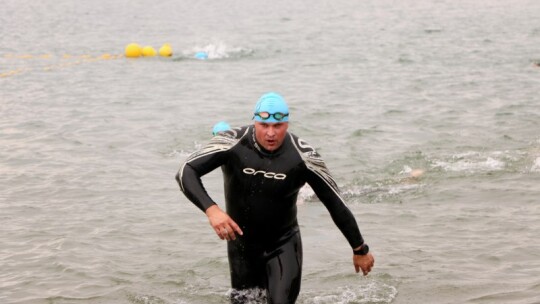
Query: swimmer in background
point(220, 127)
point(414, 176)
point(416, 173)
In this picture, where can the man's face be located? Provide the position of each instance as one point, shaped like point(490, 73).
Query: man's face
point(270, 135)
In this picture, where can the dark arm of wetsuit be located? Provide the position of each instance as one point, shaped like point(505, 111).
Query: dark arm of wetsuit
point(340, 213)
point(189, 177)
point(190, 183)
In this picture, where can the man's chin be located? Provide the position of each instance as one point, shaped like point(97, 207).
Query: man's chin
point(271, 146)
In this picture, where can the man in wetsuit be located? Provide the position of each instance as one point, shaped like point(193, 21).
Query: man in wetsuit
point(264, 168)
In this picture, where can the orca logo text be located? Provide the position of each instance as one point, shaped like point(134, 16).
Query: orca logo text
point(250, 171)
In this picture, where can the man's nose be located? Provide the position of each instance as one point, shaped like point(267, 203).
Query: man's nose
point(271, 132)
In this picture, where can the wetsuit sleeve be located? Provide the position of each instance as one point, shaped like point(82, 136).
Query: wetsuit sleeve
point(326, 189)
point(201, 162)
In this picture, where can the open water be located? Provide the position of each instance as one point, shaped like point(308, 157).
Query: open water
point(90, 142)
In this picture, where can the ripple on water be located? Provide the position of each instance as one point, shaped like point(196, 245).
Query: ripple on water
point(372, 292)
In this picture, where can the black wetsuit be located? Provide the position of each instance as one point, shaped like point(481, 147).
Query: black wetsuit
point(261, 189)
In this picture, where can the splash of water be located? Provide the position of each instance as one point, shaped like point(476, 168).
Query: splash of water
point(372, 292)
point(536, 166)
point(248, 296)
point(219, 50)
point(472, 162)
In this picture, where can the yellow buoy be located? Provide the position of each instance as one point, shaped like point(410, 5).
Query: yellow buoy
point(165, 50)
point(148, 51)
point(133, 50)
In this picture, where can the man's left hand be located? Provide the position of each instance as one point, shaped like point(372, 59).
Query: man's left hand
point(364, 262)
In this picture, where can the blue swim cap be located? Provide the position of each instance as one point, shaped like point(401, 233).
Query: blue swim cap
point(201, 55)
point(271, 103)
point(220, 126)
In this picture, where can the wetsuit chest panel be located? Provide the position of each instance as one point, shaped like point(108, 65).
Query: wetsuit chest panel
point(261, 190)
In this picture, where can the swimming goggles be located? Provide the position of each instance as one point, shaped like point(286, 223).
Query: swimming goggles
point(277, 116)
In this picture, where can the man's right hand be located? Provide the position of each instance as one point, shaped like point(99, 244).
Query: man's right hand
point(222, 223)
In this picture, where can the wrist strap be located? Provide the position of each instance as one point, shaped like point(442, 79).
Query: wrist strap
point(364, 249)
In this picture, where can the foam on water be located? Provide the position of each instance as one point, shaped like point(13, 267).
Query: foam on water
point(249, 296)
point(218, 50)
point(373, 292)
point(536, 166)
point(475, 162)
point(306, 194)
point(470, 165)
